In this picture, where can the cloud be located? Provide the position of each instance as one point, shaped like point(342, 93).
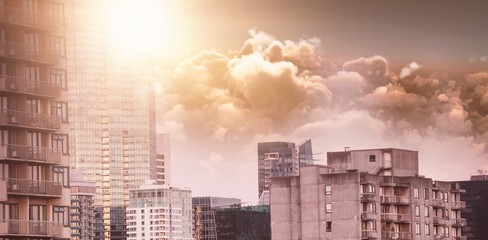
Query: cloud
point(408, 70)
point(374, 69)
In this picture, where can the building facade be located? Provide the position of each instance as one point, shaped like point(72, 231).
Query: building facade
point(366, 194)
point(204, 227)
point(476, 211)
point(159, 212)
point(243, 223)
point(163, 150)
point(281, 159)
point(112, 114)
point(34, 157)
point(82, 207)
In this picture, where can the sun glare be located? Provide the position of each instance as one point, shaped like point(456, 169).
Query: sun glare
point(140, 27)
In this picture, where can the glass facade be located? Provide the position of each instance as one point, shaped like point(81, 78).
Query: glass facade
point(112, 114)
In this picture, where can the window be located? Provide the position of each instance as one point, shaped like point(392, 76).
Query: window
point(37, 212)
point(426, 211)
point(417, 211)
point(60, 142)
point(57, 45)
point(328, 189)
point(61, 215)
point(372, 158)
point(60, 109)
point(328, 226)
point(61, 175)
point(328, 207)
point(417, 228)
point(426, 193)
point(427, 229)
point(368, 188)
point(416, 193)
point(58, 78)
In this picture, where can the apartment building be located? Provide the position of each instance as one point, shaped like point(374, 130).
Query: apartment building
point(159, 212)
point(366, 194)
point(34, 164)
point(280, 159)
point(82, 206)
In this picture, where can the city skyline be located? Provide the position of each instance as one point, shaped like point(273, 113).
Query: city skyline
point(360, 75)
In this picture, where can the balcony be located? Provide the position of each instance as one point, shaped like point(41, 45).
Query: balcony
point(439, 220)
point(28, 153)
point(458, 205)
point(459, 222)
point(28, 86)
point(29, 53)
point(30, 120)
point(389, 235)
point(441, 237)
point(438, 203)
point(368, 216)
point(394, 217)
point(30, 228)
point(368, 197)
point(396, 200)
point(34, 187)
point(456, 188)
point(369, 234)
point(22, 17)
point(460, 238)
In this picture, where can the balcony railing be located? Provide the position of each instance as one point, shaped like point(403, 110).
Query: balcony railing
point(369, 234)
point(28, 86)
point(438, 203)
point(37, 187)
point(460, 238)
point(368, 197)
point(26, 153)
point(395, 217)
point(396, 235)
point(30, 120)
point(368, 216)
point(32, 19)
point(439, 220)
point(29, 53)
point(458, 205)
point(441, 237)
point(397, 200)
point(31, 228)
point(459, 222)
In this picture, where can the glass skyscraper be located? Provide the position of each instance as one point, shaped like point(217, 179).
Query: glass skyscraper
point(112, 114)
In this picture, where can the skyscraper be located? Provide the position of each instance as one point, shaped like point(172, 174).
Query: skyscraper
point(281, 159)
point(34, 162)
point(113, 117)
point(476, 211)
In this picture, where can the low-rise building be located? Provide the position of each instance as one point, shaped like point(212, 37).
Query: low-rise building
point(204, 226)
point(476, 211)
point(159, 212)
point(365, 194)
point(243, 223)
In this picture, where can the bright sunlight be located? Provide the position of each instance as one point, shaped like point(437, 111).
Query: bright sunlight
point(140, 27)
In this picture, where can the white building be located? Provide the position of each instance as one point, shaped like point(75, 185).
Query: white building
point(159, 212)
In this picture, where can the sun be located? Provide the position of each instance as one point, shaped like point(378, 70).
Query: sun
point(140, 26)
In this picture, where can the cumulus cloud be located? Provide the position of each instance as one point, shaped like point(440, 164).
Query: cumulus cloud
point(408, 70)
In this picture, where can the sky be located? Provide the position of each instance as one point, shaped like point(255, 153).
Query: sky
point(361, 74)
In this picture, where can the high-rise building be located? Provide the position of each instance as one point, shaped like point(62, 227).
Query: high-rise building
point(82, 208)
point(243, 223)
point(281, 159)
point(476, 212)
point(163, 160)
point(112, 114)
point(159, 212)
point(204, 227)
point(34, 163)
point(365, 194)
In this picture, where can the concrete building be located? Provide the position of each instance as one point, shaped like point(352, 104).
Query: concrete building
point(112, 114)
point(243, 223)
point(159, 212)
point(204, 227)
point(476, 211)
point(365, 194)
point(281, 159)
point(34, 164)
point(82, 208)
